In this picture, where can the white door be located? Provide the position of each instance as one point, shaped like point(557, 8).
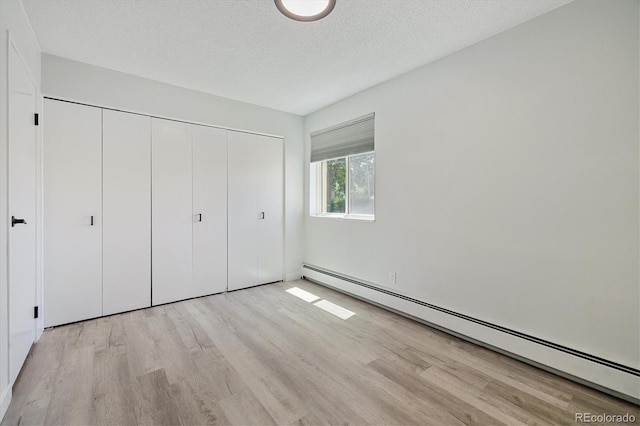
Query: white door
point(270, 205)
point(243, 162)
point(210, 210)
point(126, 224)
point(22, 208)
point(171, 206)
point(255, 210)
point(72, 212)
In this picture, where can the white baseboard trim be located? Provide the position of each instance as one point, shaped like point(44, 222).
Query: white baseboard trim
point(610, 379)
point(292, 276)
point(5, 400)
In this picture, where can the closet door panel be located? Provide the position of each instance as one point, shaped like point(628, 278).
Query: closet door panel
point(270, 201)
point(72, 197)
point(210, 210)
point(243, 211)
point(126, 160)
point(172, 216)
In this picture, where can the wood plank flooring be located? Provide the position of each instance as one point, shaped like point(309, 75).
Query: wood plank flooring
point(262, 356)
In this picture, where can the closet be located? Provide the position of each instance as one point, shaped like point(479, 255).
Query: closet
point(97, 216)
point(72, 212)
point(172, 217)
point(126, 211)
point(210, 210)
point(141, 211)
point(189, 175)
point(255, 210)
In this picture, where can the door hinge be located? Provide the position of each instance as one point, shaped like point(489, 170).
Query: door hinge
point(35, 119)
point(35, 312)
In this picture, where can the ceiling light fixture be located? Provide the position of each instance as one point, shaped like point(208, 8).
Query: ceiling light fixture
point(305, 10)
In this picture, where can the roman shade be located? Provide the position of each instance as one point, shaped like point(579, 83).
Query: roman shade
point(348, 138)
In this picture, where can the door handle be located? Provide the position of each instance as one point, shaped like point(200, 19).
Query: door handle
point(15, 221)
point(199, 217)
point(91, 220)
point(261, 215)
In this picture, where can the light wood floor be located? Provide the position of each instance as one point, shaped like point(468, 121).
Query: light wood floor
point(263, 356)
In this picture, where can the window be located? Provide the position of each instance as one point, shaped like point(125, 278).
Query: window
point(343, 169)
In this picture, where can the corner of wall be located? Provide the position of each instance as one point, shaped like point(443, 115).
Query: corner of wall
point(292, 276)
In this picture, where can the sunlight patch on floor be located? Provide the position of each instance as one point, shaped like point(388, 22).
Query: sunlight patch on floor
point(325, 305)
point(334, 309)
point(302, 294)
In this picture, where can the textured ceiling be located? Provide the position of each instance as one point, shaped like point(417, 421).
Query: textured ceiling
point(246, 50)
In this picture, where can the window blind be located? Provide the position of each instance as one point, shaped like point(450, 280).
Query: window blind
point(352, 137)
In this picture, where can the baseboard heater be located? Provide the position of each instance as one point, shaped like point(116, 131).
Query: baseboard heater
point(593, 358)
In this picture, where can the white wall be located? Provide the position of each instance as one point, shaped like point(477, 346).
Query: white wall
point(13, 20)
point(507, 183)
point(76, 81)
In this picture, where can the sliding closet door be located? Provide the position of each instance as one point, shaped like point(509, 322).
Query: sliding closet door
point(243, 210)
point(210, 210)
point(126, 160)
point(72, 212)
point(172, 216)
point(270, 202)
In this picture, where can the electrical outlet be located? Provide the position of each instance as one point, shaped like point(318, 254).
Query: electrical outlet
point(392, 278)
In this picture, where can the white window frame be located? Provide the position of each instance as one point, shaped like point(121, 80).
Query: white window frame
point(318, 187)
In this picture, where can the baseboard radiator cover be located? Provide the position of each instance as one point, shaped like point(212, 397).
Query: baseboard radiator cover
point(616, 379)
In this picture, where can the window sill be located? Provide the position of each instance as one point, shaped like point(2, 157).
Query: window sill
point(361, 218)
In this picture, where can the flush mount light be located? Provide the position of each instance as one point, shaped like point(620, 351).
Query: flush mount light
point(305, 10)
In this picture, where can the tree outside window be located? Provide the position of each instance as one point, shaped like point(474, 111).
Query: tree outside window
point(347, 185)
